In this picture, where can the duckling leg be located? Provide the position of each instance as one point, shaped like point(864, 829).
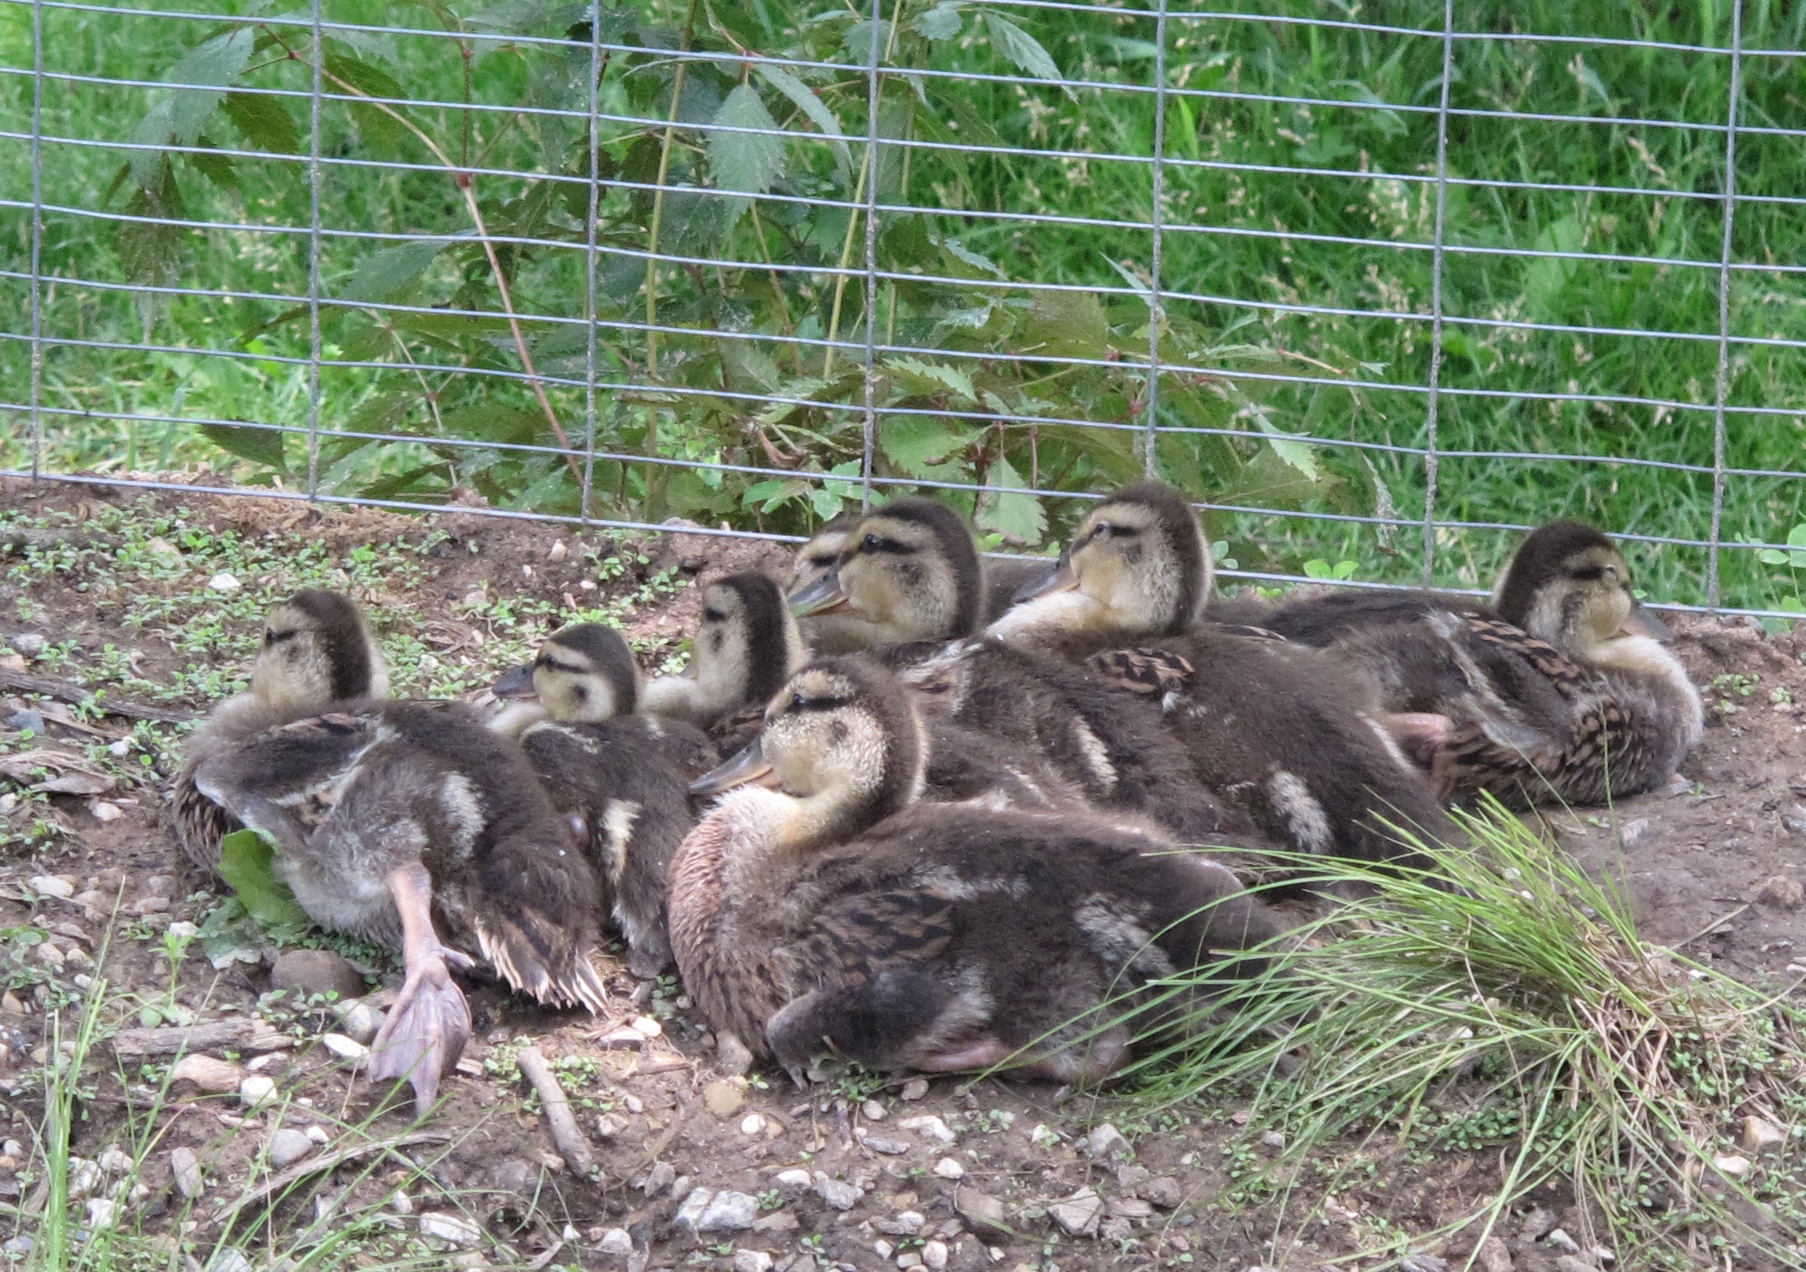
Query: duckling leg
point(879, 1022)
point(427, 1027)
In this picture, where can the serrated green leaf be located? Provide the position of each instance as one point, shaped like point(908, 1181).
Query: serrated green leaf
point(1067, 324)
point(217, 169)
point(942, 22)
point(805, 100)
point(378, 128)
point(857, 42)
point(247, 441)
point(1022, 48)
point(745, 162)
point(391, 273)
point(151, 253)
point(182, 113)
point(932, 377)
point(247, 862)
point(1015, 516)
point(964, 254)
point(751, 363)
point(229, 935)
point(264, 121)
point(1294, 451)
point(919, 445)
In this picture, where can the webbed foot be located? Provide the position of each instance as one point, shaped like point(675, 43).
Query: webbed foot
point(426, 1029)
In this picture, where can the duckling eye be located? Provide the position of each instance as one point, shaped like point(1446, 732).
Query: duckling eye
point(878, 543)
point(714, 616)
point(273, 637)
point(1592, 574)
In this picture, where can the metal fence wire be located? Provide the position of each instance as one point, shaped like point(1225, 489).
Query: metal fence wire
point(1378, 285)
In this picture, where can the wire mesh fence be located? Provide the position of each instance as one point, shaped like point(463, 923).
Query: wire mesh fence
point(1377, 286)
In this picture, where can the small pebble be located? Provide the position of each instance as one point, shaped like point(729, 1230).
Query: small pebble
point(915, 1089)
point(837, 1193)
point(228, 1259)
point(872, 1111)
point(616, 1242)
point(752, 1261)
point(883, 1144)
point(214, 1076)
point(934, 1254)
point(102, 811)
point(449, 1227)
point(646, 1026)
point(288, 1147)
point(223, 582)
point(59, 886)
point(930, 1126)
point(28, 643)
point(753, 1124)
point(102, 1212)
point(185, 1166)
point(317, 1134)
point(23, 720)
point(1562, 1241)
point(948, 1168)
point(345, 1048)
point(115, 1162)
point(256, 1089)
point(1105, 1140)
point(907, 1223)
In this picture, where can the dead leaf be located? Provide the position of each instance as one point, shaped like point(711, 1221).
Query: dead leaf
point(77, 784)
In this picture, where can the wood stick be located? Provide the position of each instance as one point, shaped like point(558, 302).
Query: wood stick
point(67, 692)
point(239, 1035)
point(572, 1146)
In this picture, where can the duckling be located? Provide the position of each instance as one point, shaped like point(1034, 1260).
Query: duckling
point(1559, 690)
point(1275, 727)
point(623, 778)
point(746, 646)
point(316, 651)
point(393, 818)
point(844, 632)
point(839, 909)
point(1093, 744)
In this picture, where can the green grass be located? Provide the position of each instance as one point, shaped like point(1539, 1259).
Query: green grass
point(1506, 1005)
point(1494, 371)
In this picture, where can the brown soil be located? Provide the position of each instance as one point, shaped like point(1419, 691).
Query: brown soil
point(1715, 864)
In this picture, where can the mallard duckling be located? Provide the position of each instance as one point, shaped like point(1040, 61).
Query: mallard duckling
point(1275, 727)
point(838, 909)
point(1095, 744)
point(316, 651)
point(624, 778)
point(746, 646)
point(393, 817)
point(1559, 690)
point(843, 631)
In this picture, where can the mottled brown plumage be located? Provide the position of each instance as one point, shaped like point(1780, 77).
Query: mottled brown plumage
point(1560, 691)
point(624, 778)
point(1280, 730)
point(841, 911)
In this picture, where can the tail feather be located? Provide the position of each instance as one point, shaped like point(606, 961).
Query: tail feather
point(537, 957)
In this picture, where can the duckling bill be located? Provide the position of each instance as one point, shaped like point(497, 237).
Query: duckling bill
point(829, 908)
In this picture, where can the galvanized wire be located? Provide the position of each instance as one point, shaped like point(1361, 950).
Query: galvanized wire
point(602, 379)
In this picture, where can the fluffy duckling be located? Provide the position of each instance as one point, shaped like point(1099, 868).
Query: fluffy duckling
point(1275, 727)
point(839, 910)
point(843, 631)
point(395, 821)
point(623, 778)
point(746, 646)
point(316, 651)
point(1560, 690)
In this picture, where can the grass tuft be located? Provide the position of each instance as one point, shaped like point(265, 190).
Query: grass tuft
point(1506, 1001)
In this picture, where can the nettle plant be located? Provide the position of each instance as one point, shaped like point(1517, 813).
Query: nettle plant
point(731, 349)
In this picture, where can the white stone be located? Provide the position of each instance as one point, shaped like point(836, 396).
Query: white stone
point(837, 1193)
point(185, 1165)
point(1760, 1135)
point(1562, 1241)
point(445, 1226)
point(948, 1168)
point(934, 1255)
point(103, 811)
point(729, 1211)
point(1078, 1214)
point(930, 1126)
point(646, 1026)
point(1104, 1140)
point(751, 1261)
point(228, 1259)
point(690, 1212)
point(616, 1242)
point(289, 1146)
point(223, 582)
point(1730, 1165)
point(84, 1177)
point(872, 1111)
point(52, 886)
point(907, 1223)
point(317, 1134)
point(753, 1124)
point(102, 1212)
point(256, 1089)
point(915, 1089)
point(115, 1162)
point(792, 1179)
point(883, 1248)
point(344, 1046)
point(183, 930)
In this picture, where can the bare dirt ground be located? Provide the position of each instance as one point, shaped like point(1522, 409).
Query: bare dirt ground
point(693, 1168)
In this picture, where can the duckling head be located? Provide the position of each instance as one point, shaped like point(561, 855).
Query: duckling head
point(316, 649)
point(1137, 565)
point(910, 569)
point(583, 675)
point(1569, 585)
point(747, 644)
point(843, 741)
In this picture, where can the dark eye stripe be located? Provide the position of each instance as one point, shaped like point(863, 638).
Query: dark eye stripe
point(815, 704)
point(550, 663)
point(1588, 575)
point(714, 616)
point(273, 637)
point(877, 543)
